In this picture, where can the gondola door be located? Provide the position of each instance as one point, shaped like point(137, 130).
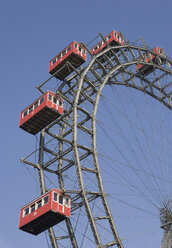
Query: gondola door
point(61, 204)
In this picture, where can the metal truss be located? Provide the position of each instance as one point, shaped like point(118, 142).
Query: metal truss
point(67, 151)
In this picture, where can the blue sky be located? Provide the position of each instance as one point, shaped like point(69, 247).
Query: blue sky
point(31, 33)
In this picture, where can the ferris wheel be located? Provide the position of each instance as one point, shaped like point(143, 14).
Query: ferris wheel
point(73, 205)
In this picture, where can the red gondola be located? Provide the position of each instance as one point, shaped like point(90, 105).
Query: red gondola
point(74, 53)
point(113, 39)
point(42, 112)
point(146, 69)
point(44, 212)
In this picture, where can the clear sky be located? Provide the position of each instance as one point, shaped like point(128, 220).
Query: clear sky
point(31, 33)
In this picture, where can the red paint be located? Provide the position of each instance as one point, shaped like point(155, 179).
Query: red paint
point(41, 218)
point(114, 38)
point(148, 58)
point(39, 117)
point(75, 55)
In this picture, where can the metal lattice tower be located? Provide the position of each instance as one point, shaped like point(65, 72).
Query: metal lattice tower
point(67, 148)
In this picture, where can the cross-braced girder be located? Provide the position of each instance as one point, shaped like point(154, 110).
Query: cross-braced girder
point(69, 151)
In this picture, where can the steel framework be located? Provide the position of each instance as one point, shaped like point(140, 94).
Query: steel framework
point(67, 148)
